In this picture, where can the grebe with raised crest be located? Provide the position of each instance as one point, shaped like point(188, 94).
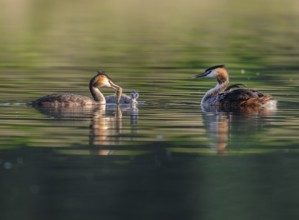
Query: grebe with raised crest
point(101, 79)
point(231, 97)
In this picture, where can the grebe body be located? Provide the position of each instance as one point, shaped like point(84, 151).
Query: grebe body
point(63, 100)
point(231, 97)
point(101, 79)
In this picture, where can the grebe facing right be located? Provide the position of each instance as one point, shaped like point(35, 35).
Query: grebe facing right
point(101, 79)
point(222, 96)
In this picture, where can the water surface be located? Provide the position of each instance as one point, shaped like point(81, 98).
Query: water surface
point(168, 159)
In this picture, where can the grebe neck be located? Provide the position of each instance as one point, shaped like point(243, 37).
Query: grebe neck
point(219, 88)
point(97, 95)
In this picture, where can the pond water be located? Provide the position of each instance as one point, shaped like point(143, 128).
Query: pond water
point(168, 159)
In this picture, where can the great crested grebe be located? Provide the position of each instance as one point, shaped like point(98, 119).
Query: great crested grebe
point(225, 96)
point(101, 79)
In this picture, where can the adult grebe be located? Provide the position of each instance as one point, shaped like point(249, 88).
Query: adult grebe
point(222, 96)
point(101, 79)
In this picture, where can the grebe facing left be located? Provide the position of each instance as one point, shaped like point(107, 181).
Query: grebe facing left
point(222, 96)
point(101, 79)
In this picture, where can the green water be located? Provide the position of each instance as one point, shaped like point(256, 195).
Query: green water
point(168, 159)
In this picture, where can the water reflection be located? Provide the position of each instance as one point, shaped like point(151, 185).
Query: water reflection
point(223, 126)
point(106, 130)
point(105, 122)
point(217, 129)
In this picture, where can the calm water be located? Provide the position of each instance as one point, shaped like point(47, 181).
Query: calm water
point(168, 159)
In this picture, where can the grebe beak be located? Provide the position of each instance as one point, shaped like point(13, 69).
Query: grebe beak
point(118, 91)
point(201, 75)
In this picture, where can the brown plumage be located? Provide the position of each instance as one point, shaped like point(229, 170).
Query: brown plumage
point(243, 97)
point(232, 96)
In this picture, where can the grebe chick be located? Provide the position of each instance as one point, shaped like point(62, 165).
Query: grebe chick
point(222, 96)
point(125, 99)
point(101, 79)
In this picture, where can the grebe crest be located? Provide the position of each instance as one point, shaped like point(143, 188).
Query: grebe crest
point(231, 97)
point(101, 79)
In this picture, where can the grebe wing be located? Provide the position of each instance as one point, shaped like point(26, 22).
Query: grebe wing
point(241, 94)
point(63, 99)
point(244, 97)
point(237, 85)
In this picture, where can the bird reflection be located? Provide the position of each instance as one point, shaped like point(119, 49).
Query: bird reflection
point(218, 130)
point(107, 131)
point(105, 124)
point(221, 125)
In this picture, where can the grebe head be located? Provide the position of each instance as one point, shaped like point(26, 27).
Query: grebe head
point(219, 72)
point(134, 96)
point(103, 80)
